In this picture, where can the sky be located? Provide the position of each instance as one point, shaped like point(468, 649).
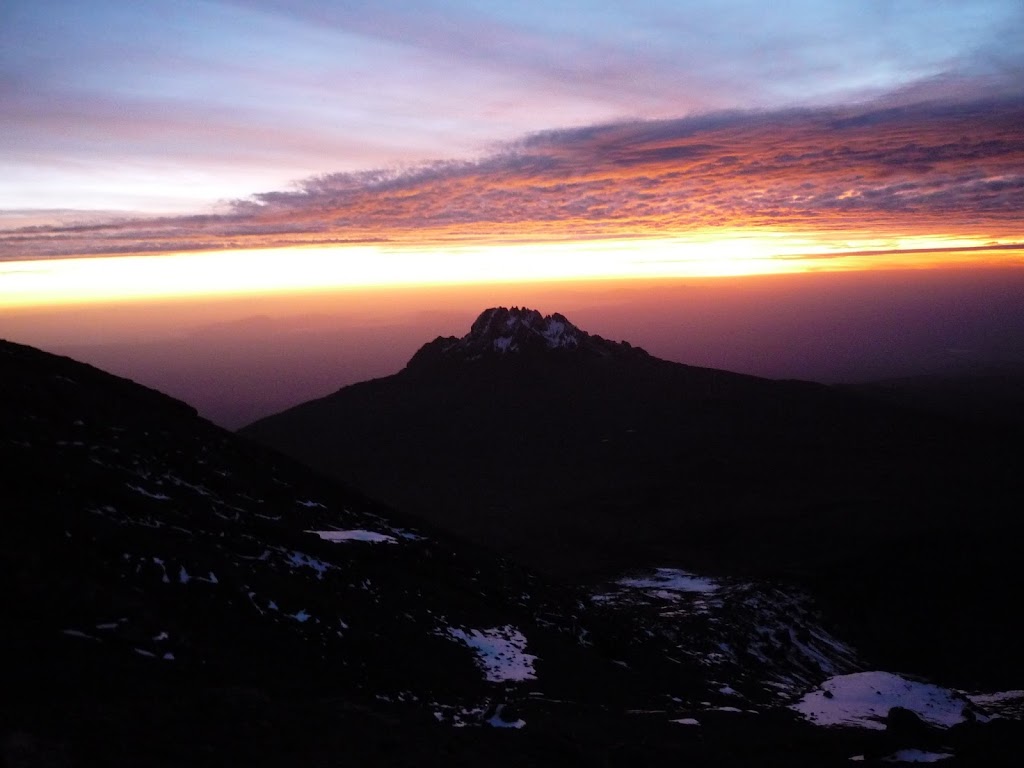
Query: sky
point(250, 159)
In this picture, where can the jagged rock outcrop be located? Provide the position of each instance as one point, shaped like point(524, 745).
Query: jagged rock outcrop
point(502, 331)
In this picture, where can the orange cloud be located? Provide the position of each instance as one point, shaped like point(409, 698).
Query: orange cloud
point(953, 170)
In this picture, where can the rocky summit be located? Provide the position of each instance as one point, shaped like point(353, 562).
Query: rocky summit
point(500, 331)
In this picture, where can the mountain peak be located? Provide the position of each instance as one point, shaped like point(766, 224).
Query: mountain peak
point(510, 330)
point(503, 331)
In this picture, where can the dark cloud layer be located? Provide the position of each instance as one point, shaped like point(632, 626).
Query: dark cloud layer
point(953, 169)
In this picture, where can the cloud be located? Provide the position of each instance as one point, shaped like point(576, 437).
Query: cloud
point(151, 107)
point(953, 168)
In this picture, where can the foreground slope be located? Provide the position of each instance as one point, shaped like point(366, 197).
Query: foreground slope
point(178, 596)
point(585, 457)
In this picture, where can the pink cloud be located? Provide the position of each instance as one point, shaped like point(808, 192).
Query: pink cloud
point(932, 168)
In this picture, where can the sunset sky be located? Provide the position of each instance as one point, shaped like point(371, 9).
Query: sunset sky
point(204, 152)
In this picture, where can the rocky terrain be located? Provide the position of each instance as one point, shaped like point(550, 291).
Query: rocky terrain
point(181, 596)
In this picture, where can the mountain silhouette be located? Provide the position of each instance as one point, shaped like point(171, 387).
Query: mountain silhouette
point(520, 332)
point(584, 457)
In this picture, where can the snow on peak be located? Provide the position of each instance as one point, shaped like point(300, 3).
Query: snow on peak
point(510, 330)
point(502, 331)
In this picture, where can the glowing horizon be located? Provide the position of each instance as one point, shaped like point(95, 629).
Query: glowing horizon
point(53, 282)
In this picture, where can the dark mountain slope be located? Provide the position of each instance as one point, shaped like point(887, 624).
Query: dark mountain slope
point(584, 457)
point(167, 602)
point(991, 395)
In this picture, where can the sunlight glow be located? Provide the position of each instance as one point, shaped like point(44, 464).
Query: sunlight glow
point(290, 270)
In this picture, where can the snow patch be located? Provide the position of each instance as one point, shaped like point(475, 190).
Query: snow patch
point(356, 535)
point(686, 721)
point(144, 492)
point(301, 560)
point(497, 721)
point(983, 699)
point(458, 717)
point(500, 651)
point(669, 580)
point(177, 481)
point(79, 633)
point(916, 756)
point(863, 699)
point(558, 334)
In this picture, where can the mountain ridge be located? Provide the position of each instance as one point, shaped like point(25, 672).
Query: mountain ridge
point(582, 465)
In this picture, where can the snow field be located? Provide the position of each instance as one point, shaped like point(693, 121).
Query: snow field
point(501, 652)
